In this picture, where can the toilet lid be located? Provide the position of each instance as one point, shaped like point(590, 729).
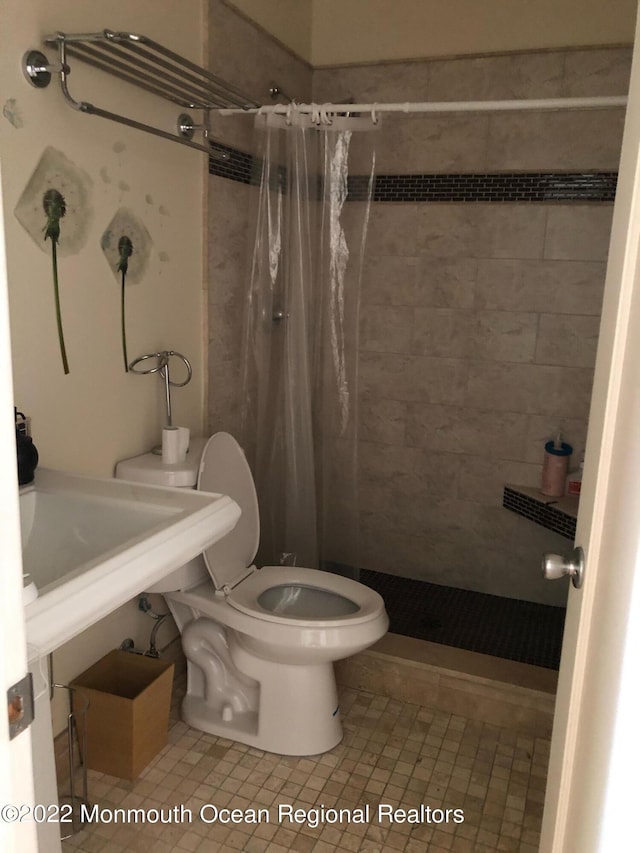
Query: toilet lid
point(224, 469)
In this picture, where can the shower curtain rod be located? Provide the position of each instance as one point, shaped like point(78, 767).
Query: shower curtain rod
point(582, 103)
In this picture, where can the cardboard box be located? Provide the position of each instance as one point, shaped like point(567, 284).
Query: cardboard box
point(128, 717)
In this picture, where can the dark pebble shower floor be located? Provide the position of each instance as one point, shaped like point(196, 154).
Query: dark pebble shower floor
point(490, 624)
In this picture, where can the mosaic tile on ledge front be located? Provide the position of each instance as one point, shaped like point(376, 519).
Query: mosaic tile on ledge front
point(552, 513)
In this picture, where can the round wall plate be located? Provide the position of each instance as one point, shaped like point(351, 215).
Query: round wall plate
point(35, 67)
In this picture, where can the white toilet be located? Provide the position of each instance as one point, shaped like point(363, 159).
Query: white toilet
point(260, 643)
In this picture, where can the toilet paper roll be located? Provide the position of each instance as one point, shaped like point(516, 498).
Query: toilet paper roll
point(175, 443)
point(170, 445)
point(183, 442)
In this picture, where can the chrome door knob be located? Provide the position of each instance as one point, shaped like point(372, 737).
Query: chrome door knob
point(556, 566)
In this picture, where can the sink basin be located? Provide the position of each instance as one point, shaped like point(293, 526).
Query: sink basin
point(89, 545)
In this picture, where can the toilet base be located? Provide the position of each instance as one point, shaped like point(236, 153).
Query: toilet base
point(297, 713)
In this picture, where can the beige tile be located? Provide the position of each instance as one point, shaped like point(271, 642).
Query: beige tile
point(385, 328)
point(388, 279)
point(534, 389)
point(426, 144)
point(233, 38)
point(435, 282)
point(382, 421)
point(436, 230)
point(442, 333)
point(567, 340)
point(412, 378)
point(543, 286)
point(387, 550)
point(524, 75)
point(509, 230)
point(504, 336)
point(407, 471)
point(393, 81)
point(578, 232)
point(223, 396)
point(455, 429)
point(227, 237)
point(440, 520)
point(236, 131)
point(482, 480)
point(600, 71)
point(445, 282)
point(225, 333)
point(574, 140)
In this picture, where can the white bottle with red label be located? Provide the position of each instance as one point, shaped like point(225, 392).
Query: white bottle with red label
point(574, 481)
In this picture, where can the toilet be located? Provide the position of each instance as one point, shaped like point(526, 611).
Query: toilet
point(259, 643)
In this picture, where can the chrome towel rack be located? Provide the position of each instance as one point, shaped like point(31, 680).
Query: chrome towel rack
point(146, 64)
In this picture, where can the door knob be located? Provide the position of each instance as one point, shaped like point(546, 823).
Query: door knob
point(556, 566)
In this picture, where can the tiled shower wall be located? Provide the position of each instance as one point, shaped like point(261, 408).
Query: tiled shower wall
point(250, 59)
point(479, 320)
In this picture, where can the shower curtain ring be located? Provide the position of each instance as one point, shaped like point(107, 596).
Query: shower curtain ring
point(288, 118)
point(374, 115)
point(315, 114)
point(324, 115)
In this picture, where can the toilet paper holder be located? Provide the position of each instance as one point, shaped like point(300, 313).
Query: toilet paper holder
point(162, 367)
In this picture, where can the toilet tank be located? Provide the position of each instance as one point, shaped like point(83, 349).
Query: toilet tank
point(149, 468)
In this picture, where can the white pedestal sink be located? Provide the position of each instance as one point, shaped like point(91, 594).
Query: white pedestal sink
point(90, 545)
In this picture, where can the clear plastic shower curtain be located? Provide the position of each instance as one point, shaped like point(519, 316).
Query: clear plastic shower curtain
point(300, 347)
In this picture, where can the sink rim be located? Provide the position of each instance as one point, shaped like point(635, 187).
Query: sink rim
point(99, 586)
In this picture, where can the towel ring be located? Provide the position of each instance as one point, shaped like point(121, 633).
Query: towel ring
point(163, 362)
point(162, 367)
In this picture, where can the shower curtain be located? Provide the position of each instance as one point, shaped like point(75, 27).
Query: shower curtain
point(300, 344)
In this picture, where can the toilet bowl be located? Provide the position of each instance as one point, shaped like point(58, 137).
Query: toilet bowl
point(260, 643)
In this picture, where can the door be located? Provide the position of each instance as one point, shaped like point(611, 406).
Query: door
point(16, 776)
point(591, 794)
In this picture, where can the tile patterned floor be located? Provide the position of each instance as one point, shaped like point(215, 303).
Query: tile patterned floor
point(397, 754)
point(490, 624)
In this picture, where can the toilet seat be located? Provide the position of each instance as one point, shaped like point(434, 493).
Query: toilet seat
point(249, 597)
point(261, 593)
point(224, 469)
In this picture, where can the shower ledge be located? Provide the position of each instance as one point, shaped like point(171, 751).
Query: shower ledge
point(557, 514)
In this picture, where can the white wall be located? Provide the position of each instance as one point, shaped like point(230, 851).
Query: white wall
point(347, 31)
point(341, 32)
point(288, 20)
point(85, 421)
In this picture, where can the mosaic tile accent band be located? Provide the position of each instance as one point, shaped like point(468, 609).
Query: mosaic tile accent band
point(490, 187)
point(228, 162)
point(546, 515)
point(231, 163)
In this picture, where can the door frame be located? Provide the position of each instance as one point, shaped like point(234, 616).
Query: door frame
point(591, 784)
point(16, 778)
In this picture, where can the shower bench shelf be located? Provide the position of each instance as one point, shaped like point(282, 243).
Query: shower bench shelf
point(557, 514)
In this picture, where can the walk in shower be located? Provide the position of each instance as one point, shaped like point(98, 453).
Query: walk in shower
point(479, 310)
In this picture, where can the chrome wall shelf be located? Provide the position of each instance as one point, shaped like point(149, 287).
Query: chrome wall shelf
point(146, 64)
